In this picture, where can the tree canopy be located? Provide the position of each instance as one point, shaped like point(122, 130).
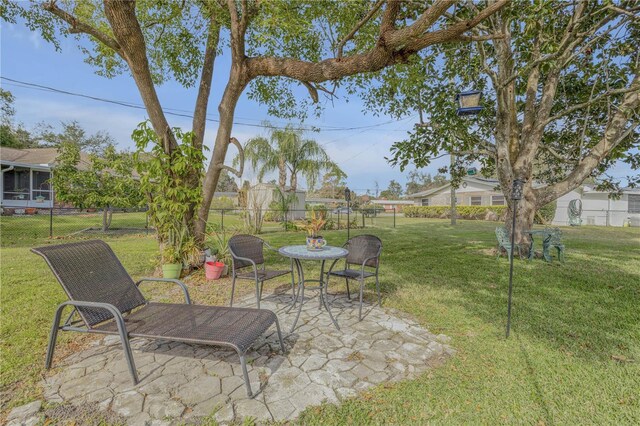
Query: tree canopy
point(288, 152)
point(418, 181)
point(276, 48)
point(104, 181)
point(393, 191)
point(561, 98)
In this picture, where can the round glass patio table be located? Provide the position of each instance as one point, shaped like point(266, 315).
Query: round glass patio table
point(297, 254)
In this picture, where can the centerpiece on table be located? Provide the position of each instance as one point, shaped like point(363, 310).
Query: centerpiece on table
point(314, 241)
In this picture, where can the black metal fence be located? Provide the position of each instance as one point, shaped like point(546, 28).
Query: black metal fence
point(269, 220)
point(27, 224)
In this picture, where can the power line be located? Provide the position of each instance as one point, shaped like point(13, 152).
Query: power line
point(177, 112)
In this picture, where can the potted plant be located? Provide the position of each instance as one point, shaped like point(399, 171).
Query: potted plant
point(218, 240)
point(171, 262)
point(313, 227)
point(178, 250)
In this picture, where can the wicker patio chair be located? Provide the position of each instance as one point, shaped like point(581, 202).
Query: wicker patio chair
point(364, 251)
point(504, 241)
point(108, 301)
point(248, 250)
point(554, 240)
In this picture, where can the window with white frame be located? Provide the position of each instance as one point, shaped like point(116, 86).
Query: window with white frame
point(475, 201)
point(424, 202)
point(634, 203)
point(497, 200)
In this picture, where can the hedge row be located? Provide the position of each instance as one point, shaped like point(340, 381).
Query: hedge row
point(464, 212)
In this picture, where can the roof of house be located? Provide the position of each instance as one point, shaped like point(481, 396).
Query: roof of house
point(391, 202)
point(45, 157)
point(627, 190)
point(471, 179)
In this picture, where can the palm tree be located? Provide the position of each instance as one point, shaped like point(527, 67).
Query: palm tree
point(287, 152)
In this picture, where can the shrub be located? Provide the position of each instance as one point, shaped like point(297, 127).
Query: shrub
point(443, 212)
point(546, 213)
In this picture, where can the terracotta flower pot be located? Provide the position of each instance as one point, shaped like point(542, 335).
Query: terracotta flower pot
point(213, 270)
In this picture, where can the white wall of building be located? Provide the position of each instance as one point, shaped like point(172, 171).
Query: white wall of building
point(597, 209)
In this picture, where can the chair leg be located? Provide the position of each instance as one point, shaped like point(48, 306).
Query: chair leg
point(346, 280)
point(233, 287)
point(361, 293)
point(53, 337)
point(280, 336)
point(243, 364)
point(293, 286)
point(126, 347)
point(258, 293)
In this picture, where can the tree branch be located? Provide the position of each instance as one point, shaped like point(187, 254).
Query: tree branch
point(614, 134)
point(238, 173)
point(593, 100)
point(77, 26)
point(204, 90)
point(390, 50)
point(313, 92)
point(455, 30)
point(485, 37)
point(359, 25)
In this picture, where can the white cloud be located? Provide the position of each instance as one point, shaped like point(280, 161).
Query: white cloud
point(35, 40)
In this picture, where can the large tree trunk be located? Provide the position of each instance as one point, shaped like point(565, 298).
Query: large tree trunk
point(294, 182)
point(227, 108)
point(525, 214)
point(107, 214)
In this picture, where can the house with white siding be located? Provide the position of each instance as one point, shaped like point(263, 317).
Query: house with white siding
point(473, 191)
point(598, 208)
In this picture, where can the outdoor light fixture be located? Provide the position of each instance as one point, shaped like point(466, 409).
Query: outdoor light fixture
point(469, 102)
point(516, 195)
point(347, 194)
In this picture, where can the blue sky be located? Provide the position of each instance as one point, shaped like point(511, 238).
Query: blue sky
point(26, 57)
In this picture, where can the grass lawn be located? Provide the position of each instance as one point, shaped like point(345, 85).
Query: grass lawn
point(573, 356)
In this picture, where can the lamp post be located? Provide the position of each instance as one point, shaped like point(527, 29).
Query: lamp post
point(516, 195)
point(347, 196)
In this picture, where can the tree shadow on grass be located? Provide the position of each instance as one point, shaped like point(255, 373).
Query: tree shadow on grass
point(586, 307)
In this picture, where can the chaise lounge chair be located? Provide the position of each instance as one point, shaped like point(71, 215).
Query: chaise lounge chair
point(109, 302)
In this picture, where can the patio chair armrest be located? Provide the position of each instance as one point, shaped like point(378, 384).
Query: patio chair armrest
point(182, 285)
point(332, 265)
point(377, 257)
point(244, 259)
point(117, 315)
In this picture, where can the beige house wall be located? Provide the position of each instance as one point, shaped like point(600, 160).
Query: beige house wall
point(463, 197)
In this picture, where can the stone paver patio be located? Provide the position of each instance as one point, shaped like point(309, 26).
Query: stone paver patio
point(189, 382)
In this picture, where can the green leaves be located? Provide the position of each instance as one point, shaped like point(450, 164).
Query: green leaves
point(173, 185)
point(290, 154)
point(97, 180)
